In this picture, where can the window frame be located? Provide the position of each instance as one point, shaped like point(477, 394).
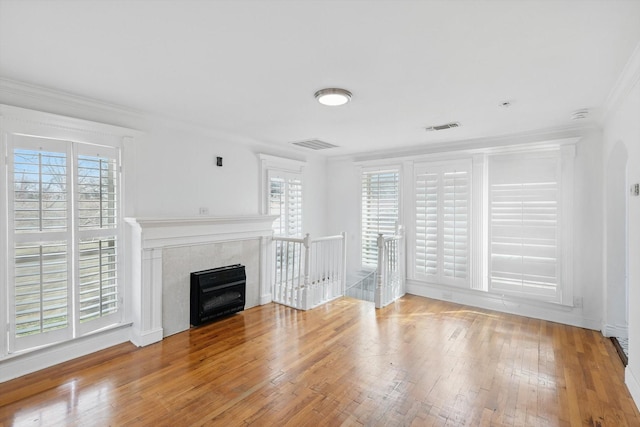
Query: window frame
point(281, 167)
point(563, 155)
point(441, 168)
point(16, 122)
point(398, 168)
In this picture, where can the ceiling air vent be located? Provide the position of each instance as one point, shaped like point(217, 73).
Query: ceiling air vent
point(314, 144)
point(443, 127)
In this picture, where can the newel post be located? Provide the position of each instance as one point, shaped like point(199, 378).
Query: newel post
point(344, 263)
point(306, 292)
point(379, 272)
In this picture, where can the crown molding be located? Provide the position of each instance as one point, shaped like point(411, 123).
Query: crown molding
point(471, 145)
point(31, 91)
point(29, 96)
point(629, 77)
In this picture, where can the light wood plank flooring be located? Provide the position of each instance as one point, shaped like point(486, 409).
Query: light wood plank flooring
point(417, 362)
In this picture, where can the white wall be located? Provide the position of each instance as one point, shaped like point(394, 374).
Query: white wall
point(343, 199)
point(344, 194)
point(622, 126)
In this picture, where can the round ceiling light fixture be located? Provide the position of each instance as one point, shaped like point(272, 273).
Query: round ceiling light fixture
point(333, 96)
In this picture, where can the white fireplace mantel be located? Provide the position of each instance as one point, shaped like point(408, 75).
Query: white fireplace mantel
point(150, 236)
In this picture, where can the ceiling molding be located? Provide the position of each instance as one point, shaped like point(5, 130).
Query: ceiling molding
point(40, 93)
point(471, 145)
point(38, 98)
point(629, 77)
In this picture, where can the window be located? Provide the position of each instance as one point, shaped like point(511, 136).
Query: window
point(64, 238)
point(379, 211)
point(525, 224)
point(442, 215)
point(285, 200)
point(282, 194)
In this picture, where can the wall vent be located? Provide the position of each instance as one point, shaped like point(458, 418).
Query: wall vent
point(443, 127)
point(314, 144)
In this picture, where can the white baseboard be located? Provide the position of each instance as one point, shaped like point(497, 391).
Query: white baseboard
point(505, 304)
point(632, 384)
point(266, 299)
point(23, 364)
point(618, 331)
point(146, 338)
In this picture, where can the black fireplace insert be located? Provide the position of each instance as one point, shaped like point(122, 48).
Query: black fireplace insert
point(217, 292)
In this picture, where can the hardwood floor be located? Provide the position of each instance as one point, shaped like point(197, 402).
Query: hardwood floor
point(417, 362)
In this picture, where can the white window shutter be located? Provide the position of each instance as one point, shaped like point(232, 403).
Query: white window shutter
point(442, 205)
point(524, 197)
point(455, 218)
point(65, 210)
point(379, 211)
point(426, 250)
point(285, 200)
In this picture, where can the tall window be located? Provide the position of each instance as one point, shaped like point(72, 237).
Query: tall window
point(379, 211)
point(64, 227)
point(285, 200)
point(282, 193)
point(442, 216)
point(525, 224)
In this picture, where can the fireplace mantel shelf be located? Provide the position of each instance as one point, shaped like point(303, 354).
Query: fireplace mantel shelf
point(170, 231)
point(147, 222)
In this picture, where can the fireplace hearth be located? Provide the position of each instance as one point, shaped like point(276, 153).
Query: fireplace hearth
point(216, 293)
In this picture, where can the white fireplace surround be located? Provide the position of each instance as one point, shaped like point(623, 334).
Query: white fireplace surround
point(151, 237)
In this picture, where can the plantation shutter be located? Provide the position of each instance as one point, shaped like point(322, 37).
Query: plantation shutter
point(426, 250)
point(40, 209)
point(380, 211)
point(524, 248)
point(285, 200)
point(97, 228)
point(442, 199)
point(64, 258)
point(456, 224)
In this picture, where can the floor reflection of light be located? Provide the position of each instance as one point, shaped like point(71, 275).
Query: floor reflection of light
point(75, 401)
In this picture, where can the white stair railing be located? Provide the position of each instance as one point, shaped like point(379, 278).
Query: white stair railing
point(390, 270)
point(309, 272)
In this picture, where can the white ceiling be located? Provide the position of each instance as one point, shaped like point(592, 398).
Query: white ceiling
point(251, 67)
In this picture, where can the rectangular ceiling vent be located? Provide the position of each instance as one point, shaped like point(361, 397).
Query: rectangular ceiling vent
point(444, 126)
point(314, 144)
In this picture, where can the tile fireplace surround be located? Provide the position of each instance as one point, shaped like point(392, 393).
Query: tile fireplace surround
point(165, 250)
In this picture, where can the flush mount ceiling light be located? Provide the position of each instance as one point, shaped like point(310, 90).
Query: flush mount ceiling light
point(333, 96)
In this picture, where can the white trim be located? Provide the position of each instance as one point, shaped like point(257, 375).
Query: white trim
point(30, 122)
point(632, 383)
point(4, 244)
point(567, 161)
point(535, 140)
point(22, 364)
point(618, 331)
point(478, 207)
point(41, 98)
point(504, 303)
point(282, 163)
point(629, 77)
